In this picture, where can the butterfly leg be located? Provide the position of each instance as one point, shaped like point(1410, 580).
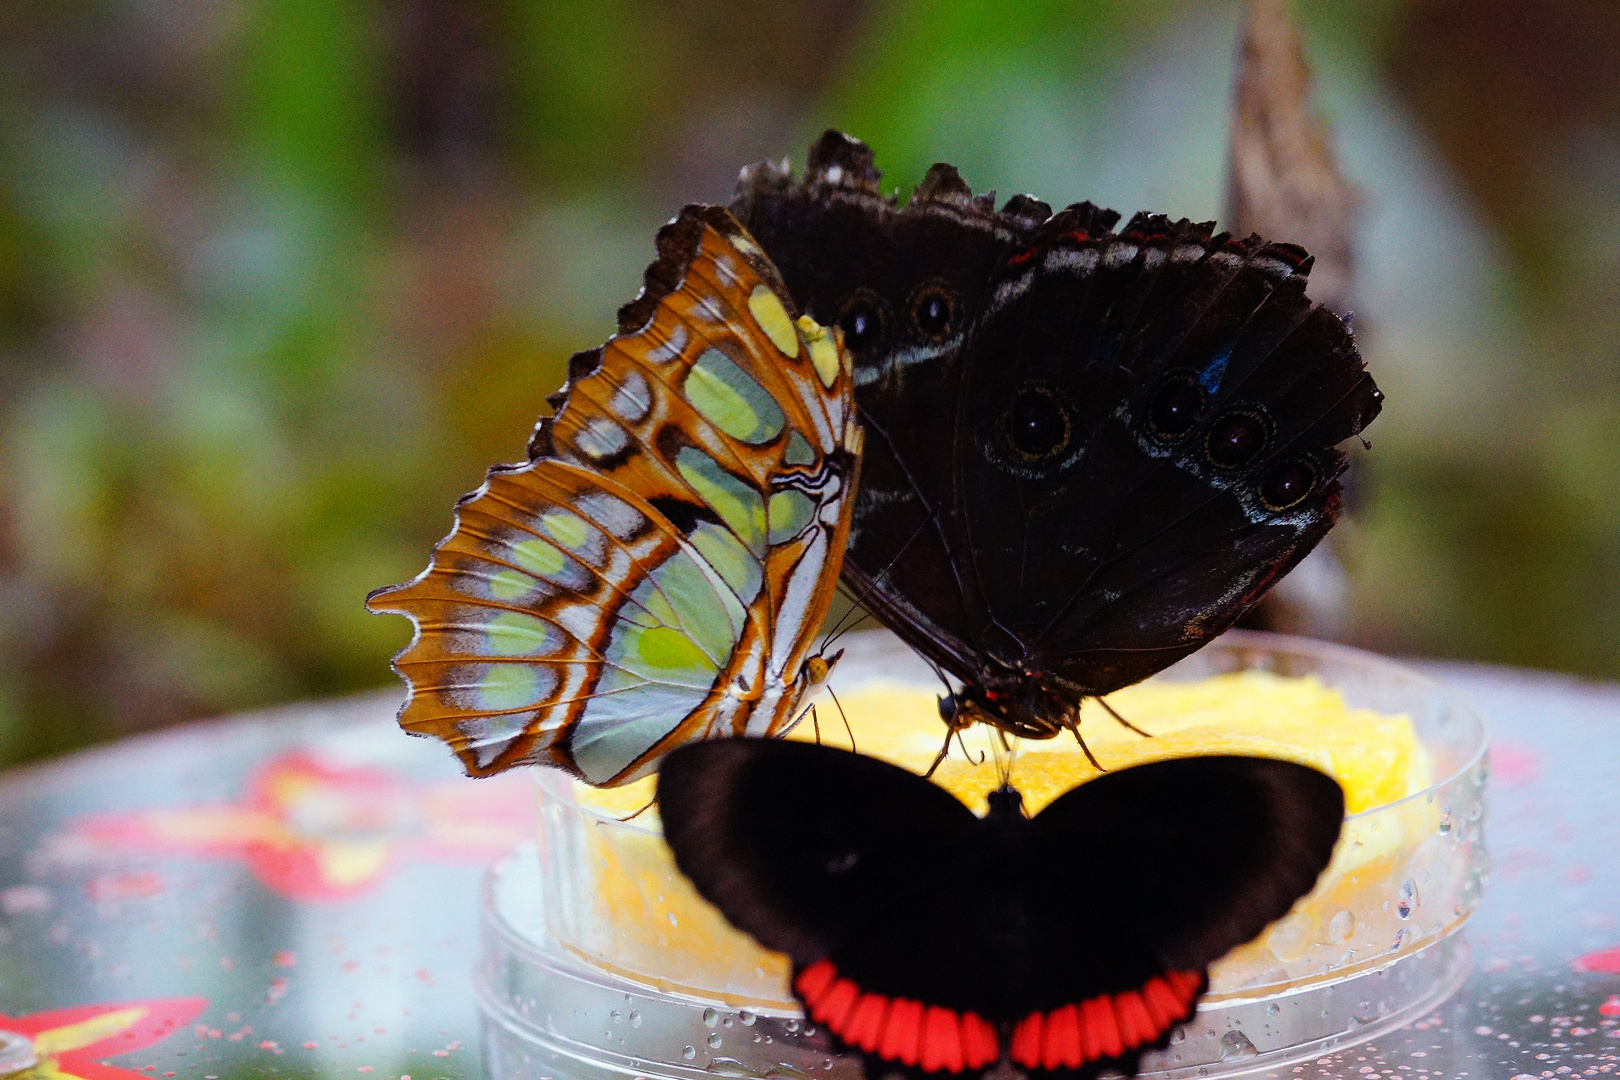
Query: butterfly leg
point(943, 750)
point(1074, 726)
point(647, 806)
point(965, 752)
point(1124, 722)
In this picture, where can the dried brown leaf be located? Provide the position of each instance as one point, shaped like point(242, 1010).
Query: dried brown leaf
point(1284, 183)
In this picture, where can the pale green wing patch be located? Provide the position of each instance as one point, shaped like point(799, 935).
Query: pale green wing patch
point(655, 676)
point(690, 604)
point(501, 687)
point(737, 567)
point(772, 317)
point(621, 725)
point(789, 512)
point(732, 400)
point(734, 501)
point(799, 451)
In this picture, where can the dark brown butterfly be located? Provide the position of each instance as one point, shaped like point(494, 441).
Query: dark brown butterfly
point(1088, 452)
point(931, 941)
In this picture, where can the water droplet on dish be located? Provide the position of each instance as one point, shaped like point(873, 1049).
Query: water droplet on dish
point(689, 1053)
point(1290, 937)
point(711, 1017)
point(1341, 927)
point(714, 1040)
point(1406, 899)
point(635, 1018)
point(724, 1066)
point(1273, 1009)
point(747, 1018)
point(1235, 1046)
point(614, 1016)
point(792, 1026)
point(1445, 822)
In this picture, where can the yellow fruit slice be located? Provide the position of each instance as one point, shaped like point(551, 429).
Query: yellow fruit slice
point(650, 924)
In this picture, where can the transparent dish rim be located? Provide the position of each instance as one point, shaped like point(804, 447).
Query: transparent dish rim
point(559, 784)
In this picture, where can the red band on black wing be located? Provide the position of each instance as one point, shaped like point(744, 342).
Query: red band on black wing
point(900, 1033)
point(1106, 1031)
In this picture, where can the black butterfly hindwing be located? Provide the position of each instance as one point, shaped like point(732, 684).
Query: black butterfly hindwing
point(932, 941)
point(1088, 452)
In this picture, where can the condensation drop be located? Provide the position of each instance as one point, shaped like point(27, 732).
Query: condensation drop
point(689, 1053)
point(1290, 937)
point(635, 1018)
point(711, 1017)
point(714, 1040)
point(747, 1018)
point(1235, 1046)
point(1341, 927)
point(1406, 900)
point(1445, 822)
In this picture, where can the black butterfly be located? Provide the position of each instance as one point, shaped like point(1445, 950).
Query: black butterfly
point(932, 941)
point(1087, 453)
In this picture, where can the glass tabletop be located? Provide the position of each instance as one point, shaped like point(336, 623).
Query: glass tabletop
point(296, 893)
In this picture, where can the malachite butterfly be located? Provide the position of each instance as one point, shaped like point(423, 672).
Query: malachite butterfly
point(657, 571)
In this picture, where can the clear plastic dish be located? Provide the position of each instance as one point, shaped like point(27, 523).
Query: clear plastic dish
point(599, 959)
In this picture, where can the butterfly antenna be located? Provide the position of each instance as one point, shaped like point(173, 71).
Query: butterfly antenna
point(840, 630)
point(845, 716)
point(941, 673)
point(838, 627)
point(860, 601)
point(1124, 722)
point(643, 810)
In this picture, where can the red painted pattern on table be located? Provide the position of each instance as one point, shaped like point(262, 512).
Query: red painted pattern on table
point(1513, 764)
point(1606, 961)
point(314, 830)
point(73, 1042)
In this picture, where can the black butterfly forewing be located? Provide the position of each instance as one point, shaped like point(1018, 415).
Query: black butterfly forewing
point(854, 260)
point(930, 941)
point(1088, 453)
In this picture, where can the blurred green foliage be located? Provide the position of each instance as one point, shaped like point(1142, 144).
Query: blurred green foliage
point(280, 278)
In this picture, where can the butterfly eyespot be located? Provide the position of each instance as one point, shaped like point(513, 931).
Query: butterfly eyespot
point(862, 321)
point(1037, 424)
point(1290, 484)
point(1174, 407)
point(933, 309)
point(1237, 438)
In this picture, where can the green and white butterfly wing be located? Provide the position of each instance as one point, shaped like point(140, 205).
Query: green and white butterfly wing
point(658, 570)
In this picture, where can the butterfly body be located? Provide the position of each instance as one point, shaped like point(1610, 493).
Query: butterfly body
point(931, 941)
point(658, 570)
point(1088, 452)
